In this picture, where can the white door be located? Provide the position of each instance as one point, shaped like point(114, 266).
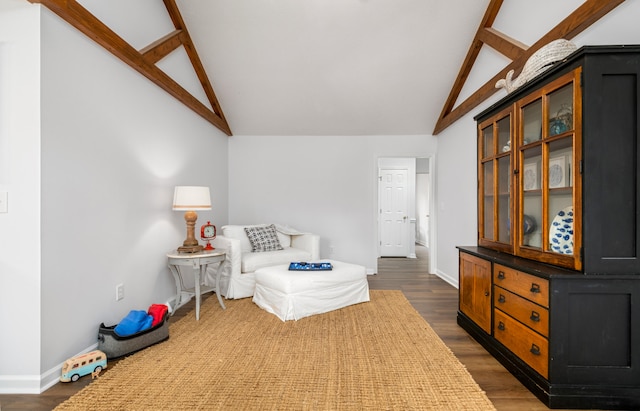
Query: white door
point(394, 213)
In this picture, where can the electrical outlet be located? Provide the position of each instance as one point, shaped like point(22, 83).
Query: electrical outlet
point(331, 250)
point(119, 292)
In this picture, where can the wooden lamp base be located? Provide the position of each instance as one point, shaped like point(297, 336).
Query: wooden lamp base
point(190, 245)
point(190, 249)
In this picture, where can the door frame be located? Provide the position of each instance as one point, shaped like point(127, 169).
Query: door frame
point(433, 214)
point(387, 162)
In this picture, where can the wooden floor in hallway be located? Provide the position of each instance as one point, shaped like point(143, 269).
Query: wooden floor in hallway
point(433, 298)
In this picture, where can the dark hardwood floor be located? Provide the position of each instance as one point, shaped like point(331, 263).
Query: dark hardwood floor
point(433, 298)
point(437, 302)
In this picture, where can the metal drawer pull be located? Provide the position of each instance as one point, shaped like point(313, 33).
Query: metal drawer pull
point(535, 288)
point(501, 275)
point(535, 350)
point(501, 326)
point(535, 316)
point(502, 299)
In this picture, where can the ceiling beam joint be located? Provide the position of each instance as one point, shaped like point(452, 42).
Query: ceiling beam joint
point(80, 18)
point(160, 48)
point(502, 43)
point(179, 24)
point(581, 18)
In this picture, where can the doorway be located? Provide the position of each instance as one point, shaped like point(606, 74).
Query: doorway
point(406, 188)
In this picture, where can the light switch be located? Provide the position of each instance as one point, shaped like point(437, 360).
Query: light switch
point(4, 206)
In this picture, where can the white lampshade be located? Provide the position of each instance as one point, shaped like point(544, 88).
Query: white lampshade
point(191, 198)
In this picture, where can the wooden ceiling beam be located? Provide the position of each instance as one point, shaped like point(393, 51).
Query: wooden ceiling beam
point(580, 19)
point(179, 24)
point(502, 43)
point(161, 48)
point(80, 18)
point(487, 20)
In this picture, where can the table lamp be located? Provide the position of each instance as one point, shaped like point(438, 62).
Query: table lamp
point(190, 199)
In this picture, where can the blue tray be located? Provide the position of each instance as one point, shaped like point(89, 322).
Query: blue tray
point(302, 266)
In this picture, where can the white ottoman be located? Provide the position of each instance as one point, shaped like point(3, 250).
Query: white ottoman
point(292, 295)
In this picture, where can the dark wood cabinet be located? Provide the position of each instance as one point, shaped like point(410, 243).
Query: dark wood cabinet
point(558, 232)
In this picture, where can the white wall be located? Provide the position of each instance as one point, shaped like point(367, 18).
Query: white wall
point(423, 200)
point(20, 177)
point(90, 183)
point(321, 184)
point(456, 168)
point(110, 149)
point(423, 183)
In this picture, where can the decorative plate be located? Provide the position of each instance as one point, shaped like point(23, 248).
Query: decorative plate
point(561, 232)
point(529, 179)
point(555, 175)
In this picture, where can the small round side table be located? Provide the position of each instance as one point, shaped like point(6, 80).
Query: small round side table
point(198, 262)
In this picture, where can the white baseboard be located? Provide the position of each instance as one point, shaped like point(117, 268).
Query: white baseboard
point(20, 384)
point(34, 384)
point(51, 377)
point(451, 280)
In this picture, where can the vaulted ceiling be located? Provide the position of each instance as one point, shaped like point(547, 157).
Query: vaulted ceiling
point(333, 67)
point(326, 67)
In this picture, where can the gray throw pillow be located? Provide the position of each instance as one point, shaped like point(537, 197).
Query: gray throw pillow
point(263, 238)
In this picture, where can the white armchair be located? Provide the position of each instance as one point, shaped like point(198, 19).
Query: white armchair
point(237, 278)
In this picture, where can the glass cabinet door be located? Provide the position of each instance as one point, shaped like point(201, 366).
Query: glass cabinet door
point(504, 181)
point(530, 234)
point(548, 140)
point(559, 181)
point(495, 182)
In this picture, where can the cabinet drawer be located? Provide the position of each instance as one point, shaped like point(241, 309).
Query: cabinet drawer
point(530, 346)
point(529, 286)
point(530, 314)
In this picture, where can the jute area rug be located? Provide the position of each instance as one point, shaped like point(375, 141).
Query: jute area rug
point(379, 355)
